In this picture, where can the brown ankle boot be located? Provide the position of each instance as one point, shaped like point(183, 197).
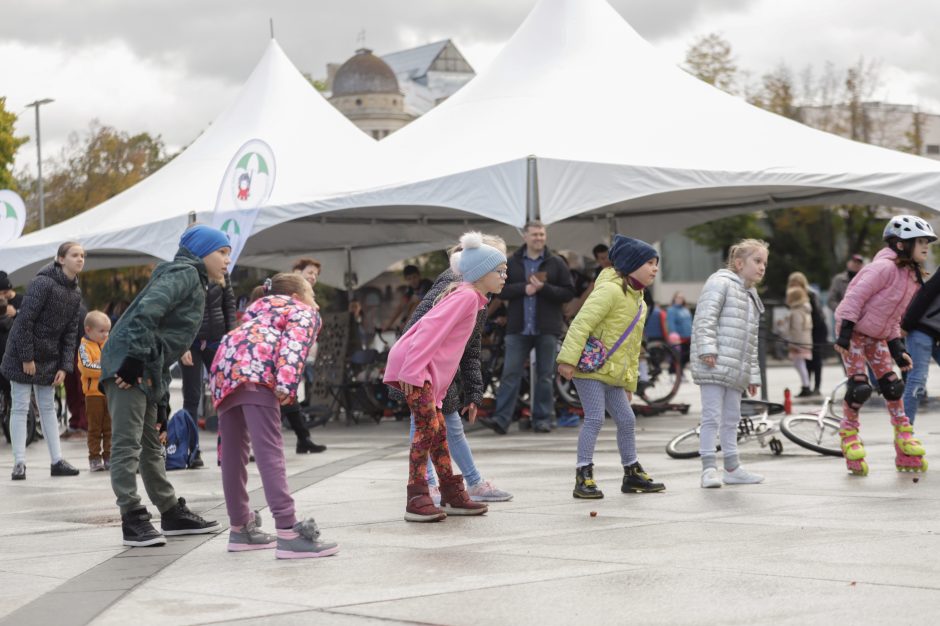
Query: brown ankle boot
point(420, 506)
point(455, 499)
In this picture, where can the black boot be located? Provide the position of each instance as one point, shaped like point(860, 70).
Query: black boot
point(306, 446)
point(635, 480)
point(584, 485)
point(804, 392)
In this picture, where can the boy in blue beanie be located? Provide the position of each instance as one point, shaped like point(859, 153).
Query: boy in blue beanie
point(158, 327)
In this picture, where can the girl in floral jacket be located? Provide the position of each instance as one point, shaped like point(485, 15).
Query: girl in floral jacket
point(257, 368)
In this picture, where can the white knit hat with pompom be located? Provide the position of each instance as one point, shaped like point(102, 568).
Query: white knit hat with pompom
point(475, 259)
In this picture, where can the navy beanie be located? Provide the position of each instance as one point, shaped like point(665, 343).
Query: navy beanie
point(203, 240)
point(627, 255)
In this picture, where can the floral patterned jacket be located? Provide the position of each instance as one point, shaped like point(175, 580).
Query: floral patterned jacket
point(269, 348)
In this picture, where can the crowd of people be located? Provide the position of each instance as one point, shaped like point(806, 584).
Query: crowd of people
point(255, 362)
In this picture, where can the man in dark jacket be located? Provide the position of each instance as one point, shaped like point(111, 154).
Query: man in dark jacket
point(154, 332)
point(537, 285)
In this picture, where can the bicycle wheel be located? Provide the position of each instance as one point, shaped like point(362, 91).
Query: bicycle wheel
point(665, 372)
point(566, 392)
point(684, 445)
point(809, 431)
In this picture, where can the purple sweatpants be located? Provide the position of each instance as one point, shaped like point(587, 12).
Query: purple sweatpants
point(252, 414)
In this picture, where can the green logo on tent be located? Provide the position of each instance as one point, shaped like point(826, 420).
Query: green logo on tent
point(230, 227)
point(8, 210)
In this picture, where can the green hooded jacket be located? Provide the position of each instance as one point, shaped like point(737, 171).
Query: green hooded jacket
point(606, 314)
point(160, 324)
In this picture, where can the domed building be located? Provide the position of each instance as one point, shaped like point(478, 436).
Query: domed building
point(365, 90)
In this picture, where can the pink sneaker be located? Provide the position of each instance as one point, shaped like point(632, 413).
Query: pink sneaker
point(488, 492)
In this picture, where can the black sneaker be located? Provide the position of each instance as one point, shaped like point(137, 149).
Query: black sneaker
point(635, 480)
point(306, 446)
point(181, 521)
point(19, 471)
point(138, 531)
point(197, 461)
point(63, 468)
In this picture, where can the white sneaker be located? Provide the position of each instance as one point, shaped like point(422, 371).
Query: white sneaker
point(710, 478)
point(741, 476)
point(488, 492)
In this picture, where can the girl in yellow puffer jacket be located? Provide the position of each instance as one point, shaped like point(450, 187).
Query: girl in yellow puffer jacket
point(614, 314)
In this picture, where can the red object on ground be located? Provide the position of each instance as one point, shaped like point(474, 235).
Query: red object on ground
point(787, 402)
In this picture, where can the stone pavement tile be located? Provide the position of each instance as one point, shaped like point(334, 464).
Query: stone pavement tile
point(21, 588)
point(318, 617)
point(658, 595)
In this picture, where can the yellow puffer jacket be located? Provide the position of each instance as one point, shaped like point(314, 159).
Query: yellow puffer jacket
point(606, 314)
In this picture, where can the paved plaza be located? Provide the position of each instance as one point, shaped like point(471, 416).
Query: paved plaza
point(812, 545)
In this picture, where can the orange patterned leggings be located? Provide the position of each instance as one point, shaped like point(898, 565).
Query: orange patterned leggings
point(430, 437)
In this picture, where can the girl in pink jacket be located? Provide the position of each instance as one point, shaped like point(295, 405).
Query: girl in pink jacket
point(869, 330)
point(256, 369)
point(422, 365)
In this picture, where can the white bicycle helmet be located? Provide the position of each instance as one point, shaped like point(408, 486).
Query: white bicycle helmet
point(909, 227)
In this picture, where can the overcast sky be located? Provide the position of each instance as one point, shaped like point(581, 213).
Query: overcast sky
point(168, 67)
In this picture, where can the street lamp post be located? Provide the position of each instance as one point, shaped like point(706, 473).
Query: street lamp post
point(42, 203)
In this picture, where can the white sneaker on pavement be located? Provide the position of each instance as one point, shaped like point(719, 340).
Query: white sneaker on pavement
point(710, 479)
point(741, 476)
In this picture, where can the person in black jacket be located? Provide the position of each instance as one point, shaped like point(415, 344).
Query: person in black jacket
point(537, 286)
point(6, 324)
point(309, 268)
point(218, 318)
point(41, 350)
point(922, 323)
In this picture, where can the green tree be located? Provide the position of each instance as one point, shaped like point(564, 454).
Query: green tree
point(710, 59)
point(9, 144)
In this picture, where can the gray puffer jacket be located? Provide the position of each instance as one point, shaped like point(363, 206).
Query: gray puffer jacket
point(727, 319)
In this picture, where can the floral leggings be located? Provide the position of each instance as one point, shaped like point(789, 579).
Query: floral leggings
point(875, 352)
point(430, 437)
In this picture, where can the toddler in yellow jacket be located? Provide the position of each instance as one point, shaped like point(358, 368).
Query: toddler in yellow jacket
point(614, 314)
point(97, 328)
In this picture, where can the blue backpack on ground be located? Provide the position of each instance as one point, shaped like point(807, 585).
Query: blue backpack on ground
point(182, 440)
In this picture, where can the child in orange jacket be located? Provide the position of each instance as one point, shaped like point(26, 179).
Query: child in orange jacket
point(97, 328)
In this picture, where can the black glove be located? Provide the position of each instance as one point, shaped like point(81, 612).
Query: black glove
point(898, 351)
point(131, 370)
point(845, 334)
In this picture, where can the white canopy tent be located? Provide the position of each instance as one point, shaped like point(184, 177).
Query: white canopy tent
point(622, 138)
point(317, 165)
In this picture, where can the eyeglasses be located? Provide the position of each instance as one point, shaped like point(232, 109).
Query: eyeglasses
point(502, 273)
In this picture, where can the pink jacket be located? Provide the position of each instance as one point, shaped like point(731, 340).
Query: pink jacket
point(878, 296)
point(432, 348)
point(269, 348)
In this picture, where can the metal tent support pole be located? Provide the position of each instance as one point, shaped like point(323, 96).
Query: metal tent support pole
point(532, 213)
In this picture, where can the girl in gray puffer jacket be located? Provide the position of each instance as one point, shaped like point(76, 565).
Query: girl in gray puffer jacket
point(724, 357)
point(41, 350)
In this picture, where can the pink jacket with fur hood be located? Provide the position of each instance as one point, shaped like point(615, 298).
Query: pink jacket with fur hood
point(268, 349)
point(878, 296)
point(432, 348)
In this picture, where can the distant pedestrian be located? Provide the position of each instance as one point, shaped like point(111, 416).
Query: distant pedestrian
point(152, 334)
point(724, 357)
point(840, 281)
point(257, 369)
point(423, 363)
point(97, 328)
point(820, 331)
point(308, 268)
point(679, 322)
point(41, 350)
point(799, 335)
point(612, 315)
point(921, 322)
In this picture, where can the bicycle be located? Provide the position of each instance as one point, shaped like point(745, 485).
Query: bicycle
point(817, 431)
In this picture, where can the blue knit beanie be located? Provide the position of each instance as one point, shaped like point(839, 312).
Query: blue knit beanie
point(476, 259)
point(627, 255)
point(203, 240)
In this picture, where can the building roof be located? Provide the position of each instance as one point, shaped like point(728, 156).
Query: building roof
point(415, 62)
point(364, 73)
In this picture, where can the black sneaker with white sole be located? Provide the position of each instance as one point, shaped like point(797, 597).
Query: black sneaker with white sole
point(181, 521)
point(138, 531)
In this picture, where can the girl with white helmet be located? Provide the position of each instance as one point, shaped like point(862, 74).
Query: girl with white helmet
point(869, 330)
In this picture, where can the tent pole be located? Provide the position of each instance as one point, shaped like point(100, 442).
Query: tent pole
point(532, 188)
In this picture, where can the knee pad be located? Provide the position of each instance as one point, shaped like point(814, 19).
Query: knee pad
point(857, 391)
point(892, 387)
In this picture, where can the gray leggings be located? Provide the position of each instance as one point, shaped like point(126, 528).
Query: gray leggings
point(595, 397)
point(721, 412)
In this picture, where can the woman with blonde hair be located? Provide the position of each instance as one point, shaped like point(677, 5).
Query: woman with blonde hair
point(820, 331)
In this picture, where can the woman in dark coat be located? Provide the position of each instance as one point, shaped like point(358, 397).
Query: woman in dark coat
point(40, 351)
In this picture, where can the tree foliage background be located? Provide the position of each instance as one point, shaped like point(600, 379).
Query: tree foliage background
point(9, 144)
